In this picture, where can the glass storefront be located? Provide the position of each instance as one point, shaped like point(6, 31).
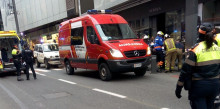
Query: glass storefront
point(175, 24)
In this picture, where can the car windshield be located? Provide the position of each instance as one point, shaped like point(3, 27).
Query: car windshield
point(51, 47)
point(115, 32)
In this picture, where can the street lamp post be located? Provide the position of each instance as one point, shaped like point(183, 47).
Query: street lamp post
point(16, 17)
point(79, 6)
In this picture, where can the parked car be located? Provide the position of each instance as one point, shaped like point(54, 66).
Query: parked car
point(47, 54)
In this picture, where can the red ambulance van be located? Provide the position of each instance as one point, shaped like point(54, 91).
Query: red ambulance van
point(103, 42)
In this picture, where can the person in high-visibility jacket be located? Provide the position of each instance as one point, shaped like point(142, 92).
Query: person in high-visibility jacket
point(201, 70)
point(158, 46)
point(170, 56)
point(17, 61)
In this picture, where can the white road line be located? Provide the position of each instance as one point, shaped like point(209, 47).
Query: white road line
point(10, 94)
point(41, 74)
point(57, 69)
point(42, 70)
point(165, 108)
point(110, 93)
point(66, 81)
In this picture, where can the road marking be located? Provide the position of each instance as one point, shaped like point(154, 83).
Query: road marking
point(10, 94)
point(66, 81)
point(110, 93)
point(165, 108)
point(41, 70)
point(41, 74)
point(57, 69)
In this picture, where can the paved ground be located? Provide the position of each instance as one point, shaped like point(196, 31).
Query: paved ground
point(54, 89)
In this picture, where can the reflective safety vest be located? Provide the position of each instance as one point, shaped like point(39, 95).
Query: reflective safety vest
point(14, 52)
point(217, 38)
point(207, 57)
point(170, 45)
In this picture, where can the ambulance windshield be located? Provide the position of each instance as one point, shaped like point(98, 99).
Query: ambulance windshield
point(115, 32)
point(51, 47)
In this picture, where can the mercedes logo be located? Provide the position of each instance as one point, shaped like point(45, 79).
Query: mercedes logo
point(136, 53)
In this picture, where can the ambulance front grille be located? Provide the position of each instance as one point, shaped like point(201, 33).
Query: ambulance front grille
point(135, 53)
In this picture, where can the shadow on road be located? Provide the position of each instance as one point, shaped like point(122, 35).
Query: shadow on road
point(116, 76)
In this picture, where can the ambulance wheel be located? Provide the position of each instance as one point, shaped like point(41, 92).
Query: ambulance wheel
point(69, 68)
point(47, 65)
point(140, 72)
point(38, 63)
point(104, 72)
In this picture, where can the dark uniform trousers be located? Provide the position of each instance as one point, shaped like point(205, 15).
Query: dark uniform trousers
point(17, 64)
point(160, 57)
point(29, 64)
point(203, 93)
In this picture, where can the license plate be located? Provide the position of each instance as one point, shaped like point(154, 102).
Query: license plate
point(137, 65)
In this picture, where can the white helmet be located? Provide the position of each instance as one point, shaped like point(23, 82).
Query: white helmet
point(166, 36)
point(160, 33)
point(146, 36)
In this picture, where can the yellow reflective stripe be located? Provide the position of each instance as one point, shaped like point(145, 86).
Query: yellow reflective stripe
point(170, 45)
point(190, 62)
point(217, 38)
point(208, 62)
point(14, 52)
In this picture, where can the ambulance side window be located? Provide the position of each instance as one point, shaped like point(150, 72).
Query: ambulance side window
point(91, 35)
point(77, 36)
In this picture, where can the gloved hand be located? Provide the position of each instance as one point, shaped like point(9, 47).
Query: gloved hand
point(178, 91)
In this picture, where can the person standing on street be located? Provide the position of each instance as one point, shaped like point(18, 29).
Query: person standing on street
point(201, 69)
point(17, 61)
point(179, 50)
point(158, 47)
point(170, 56)
point(28, 57)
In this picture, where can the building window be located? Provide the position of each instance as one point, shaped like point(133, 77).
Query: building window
point(77, 36)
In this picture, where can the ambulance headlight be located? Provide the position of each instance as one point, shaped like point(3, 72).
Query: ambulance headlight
point(116, 53)
point(148, 50)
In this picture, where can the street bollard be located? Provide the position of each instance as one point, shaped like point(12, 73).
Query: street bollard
point(153, 64)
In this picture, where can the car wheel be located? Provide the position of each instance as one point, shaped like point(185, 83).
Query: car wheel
point(104, 72)
point(140, 72)
point(47, 65)
point(69, 68)
point(38, 63)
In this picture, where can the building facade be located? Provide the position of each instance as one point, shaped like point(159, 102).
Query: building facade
point(179, 19)
point(40, 18)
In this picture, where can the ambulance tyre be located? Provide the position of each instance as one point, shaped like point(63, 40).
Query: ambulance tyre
point(47, 65)
point(140, 72)
point(104, 72)
point(38, 63)
point(69, 68)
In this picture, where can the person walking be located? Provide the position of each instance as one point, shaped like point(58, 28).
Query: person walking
point(158, 47)
point(170, 56)
point(16, 55)
point(28, 57)
point(201, 69)
point(179, 50)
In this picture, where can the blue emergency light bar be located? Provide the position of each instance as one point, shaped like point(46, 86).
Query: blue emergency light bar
point(99, 11)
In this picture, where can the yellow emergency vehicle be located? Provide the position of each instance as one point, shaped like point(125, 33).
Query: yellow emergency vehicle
point(7, 40)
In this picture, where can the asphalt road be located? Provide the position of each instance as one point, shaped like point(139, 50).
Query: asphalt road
point(54, 89)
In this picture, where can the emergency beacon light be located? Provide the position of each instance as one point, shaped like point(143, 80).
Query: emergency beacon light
point(99, 11)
